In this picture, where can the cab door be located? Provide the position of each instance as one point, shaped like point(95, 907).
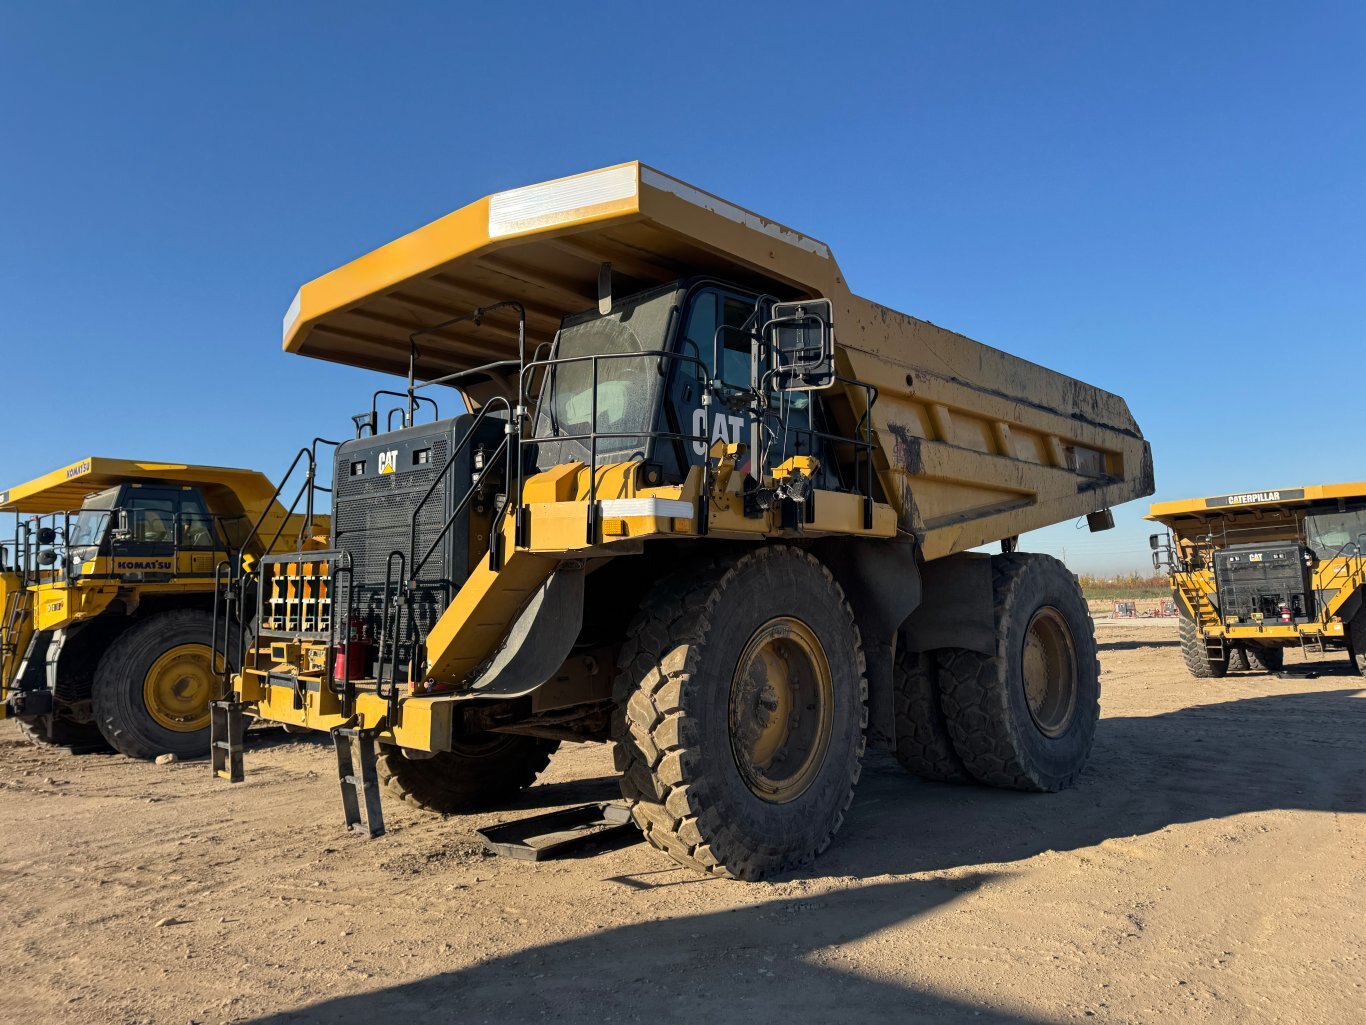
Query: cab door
point(143, 544)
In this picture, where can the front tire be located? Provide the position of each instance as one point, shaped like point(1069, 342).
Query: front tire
point(1266, 660)
point(1025, 716)
point(1195, 655)
point(153, 687)
point(478, 772)
point(741, 702)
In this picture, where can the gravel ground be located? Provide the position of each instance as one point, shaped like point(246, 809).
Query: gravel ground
point(1207, 868)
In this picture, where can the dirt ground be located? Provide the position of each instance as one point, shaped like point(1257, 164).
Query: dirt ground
point(1209, 867)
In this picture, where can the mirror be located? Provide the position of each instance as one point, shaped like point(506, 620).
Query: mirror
point(1154, 540)
point(47, 557)
point(121, 531)
point(801, 345)
point(46, 535)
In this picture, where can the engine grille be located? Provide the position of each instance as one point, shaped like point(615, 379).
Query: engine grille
point(372, 518)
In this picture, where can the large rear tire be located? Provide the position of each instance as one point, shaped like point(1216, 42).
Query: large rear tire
point(153, 686)
point(1356, 641)
point(478, 772)
point(741, 704)
point(1193, 653)
point(1025, 716)
point(80, 738)
point(923, 744)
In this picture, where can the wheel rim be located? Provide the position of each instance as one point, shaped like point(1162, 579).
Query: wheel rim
point(781, 710)
point(1049, 671)
point(178, 687)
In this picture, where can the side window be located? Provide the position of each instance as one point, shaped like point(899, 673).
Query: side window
point(196, 523)
point(151, 515)
point(708, 309)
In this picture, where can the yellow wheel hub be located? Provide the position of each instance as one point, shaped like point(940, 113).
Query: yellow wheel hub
point(179, 686)
point(782, 700)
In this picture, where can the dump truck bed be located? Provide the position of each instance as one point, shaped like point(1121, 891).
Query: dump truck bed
point(974, 444)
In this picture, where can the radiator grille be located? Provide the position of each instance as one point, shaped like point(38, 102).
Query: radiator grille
point(372, 517)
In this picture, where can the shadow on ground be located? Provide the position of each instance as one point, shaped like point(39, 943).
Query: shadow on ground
point(1135, 645)
point(1293, 751)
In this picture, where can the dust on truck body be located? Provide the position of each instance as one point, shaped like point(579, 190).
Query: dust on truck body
point(706, 504)
point(106, 594)
point(1258, 572)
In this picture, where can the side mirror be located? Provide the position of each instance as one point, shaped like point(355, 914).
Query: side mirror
point(121, 531)
point(1154, 541)
point(46, 536)
point(801, 345)
point(47, 557)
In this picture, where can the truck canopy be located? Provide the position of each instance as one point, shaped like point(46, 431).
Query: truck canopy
point(64, 490)
point(1273, 515)
point(975, 444)
point(1284, 503)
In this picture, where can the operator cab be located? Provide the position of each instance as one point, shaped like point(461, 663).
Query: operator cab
point(669, 372)
point(140, 523)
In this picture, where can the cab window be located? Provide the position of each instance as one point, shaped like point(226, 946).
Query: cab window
point(196, 523)
point(151, 515)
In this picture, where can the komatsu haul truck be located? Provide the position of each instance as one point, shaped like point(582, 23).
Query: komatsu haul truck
point(661, 479)
point(106, 595)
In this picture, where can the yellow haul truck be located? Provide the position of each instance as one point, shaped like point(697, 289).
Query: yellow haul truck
point(107, 592)
point(1259, 572)
point(704, 503)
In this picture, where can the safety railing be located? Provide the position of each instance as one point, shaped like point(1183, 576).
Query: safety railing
point(594, 436)
point(235, 577)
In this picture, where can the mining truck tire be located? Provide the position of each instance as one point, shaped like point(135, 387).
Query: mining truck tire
point(153, 686)
point(80, 737)
point(1193, 653)
point(1238, 660)
point(480, 771)
point(741, 701)
point(1266, 660)
point(923, 744)
point(1356, 641)
point(1025, 716)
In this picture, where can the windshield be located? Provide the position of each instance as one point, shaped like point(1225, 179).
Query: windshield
point(93, 519)
point(1335, 533)
point(627, 385)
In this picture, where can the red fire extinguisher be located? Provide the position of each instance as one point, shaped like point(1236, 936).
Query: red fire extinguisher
point(1285, 613)
point(353, 654)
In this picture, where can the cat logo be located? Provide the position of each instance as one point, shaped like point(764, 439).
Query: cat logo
point(388, 461)
point(1254, 557)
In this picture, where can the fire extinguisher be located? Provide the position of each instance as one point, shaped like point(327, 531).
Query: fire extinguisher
point(352, 655)
point(1285, 613)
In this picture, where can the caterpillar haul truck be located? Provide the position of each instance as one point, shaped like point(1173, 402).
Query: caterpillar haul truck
point(704, 503)
point(1259, 572)
point(107, 592)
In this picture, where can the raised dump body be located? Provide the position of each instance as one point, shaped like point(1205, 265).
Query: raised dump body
point(1258, 572)
point(108, 588)
point(689, 449)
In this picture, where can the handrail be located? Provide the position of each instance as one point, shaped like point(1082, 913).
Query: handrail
point(594, 435)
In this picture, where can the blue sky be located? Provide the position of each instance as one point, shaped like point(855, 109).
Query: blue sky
point(1165, 200)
